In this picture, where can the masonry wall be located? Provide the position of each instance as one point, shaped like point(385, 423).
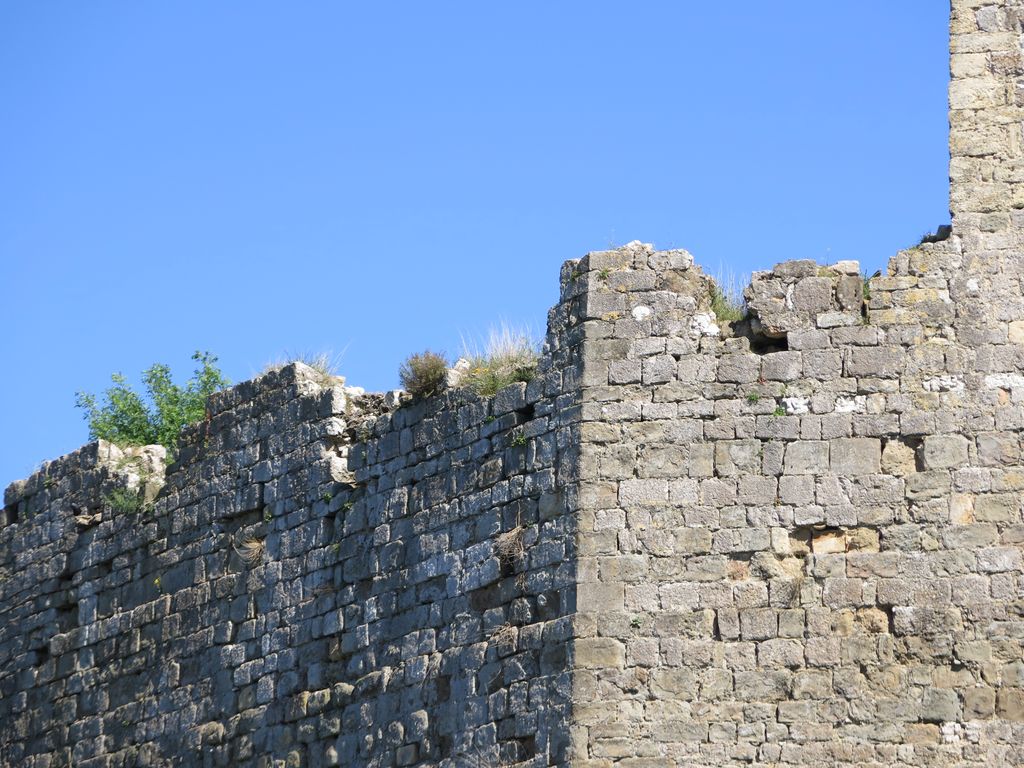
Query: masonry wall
point(791, 538)
point(323, 578)
point(800, 533)
point(986, 169)
point(986, 107)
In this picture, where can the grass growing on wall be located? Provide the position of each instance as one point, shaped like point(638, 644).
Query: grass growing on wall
point(727, 296)
point(506, 356)
point(326, 364)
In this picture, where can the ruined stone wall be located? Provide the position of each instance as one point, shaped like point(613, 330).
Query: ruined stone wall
point(791, 538)
point(322, 578)
point(800, 533)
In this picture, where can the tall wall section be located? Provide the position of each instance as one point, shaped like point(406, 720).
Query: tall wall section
point(801, 535)
point(986, 144)
point(322, 578)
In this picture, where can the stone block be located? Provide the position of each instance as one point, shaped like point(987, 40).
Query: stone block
point(843, 592)
point(945, 452)
point(877, 564)
point(875, 362)
point(676, 684)
point(659, 369)
point(939, 706)
point(758, 623)
point(997, 508)
point(781, 366)
point(763, 685)
point(827, 542)
point(639, 493)
point(898, 458)
point(979, 703)
point(795, 268)
point(855, 456)
point(624, 372)
point(780, 653)
point(599, 653)
point(758, 490)
point(850, 292)
point(812, 294)
point(599, 597)
point(1000, 559)
point(740, 540)
point(739, 368)
point(806, 458)
point(733, 457)
point(837, 319)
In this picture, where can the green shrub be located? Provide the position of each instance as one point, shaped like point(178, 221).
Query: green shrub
point(423, 374)
point(124, 501)
point(128, 418)
point(509, 355)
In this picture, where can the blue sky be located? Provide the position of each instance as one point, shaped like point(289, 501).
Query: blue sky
point(261, 178)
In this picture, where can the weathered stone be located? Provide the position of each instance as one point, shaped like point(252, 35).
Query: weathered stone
point(855, 456)
point(1011, 704)
point(876, 362)
point(739, 368)
point(979, 703)
point(938, 706)
point(807, 458)
point(791, 539)
point(812, 294)
point(781, 366)
point(945, 452)
point(849, 292)
point(599, 653)
point(898, 458)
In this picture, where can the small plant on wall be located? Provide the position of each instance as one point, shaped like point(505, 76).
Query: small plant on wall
point(508, 355)
point(157, 417)
point(125, 500)
point(423, 374)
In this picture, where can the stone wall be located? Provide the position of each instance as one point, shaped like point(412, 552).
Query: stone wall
point(986, 109)
point(792, 538)
point(986, 120)
point(322, 578)
point(800, 533)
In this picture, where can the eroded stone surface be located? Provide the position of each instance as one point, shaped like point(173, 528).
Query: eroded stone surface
point(796, 538)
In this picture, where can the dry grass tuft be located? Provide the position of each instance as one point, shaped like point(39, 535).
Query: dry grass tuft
point(506, 634)
point(509, 546)
point(326, 364)
point(251, 550)
point(507, 355)
point(727, 300)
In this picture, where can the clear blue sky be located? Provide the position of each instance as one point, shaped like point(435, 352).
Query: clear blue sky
point(262, 177)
